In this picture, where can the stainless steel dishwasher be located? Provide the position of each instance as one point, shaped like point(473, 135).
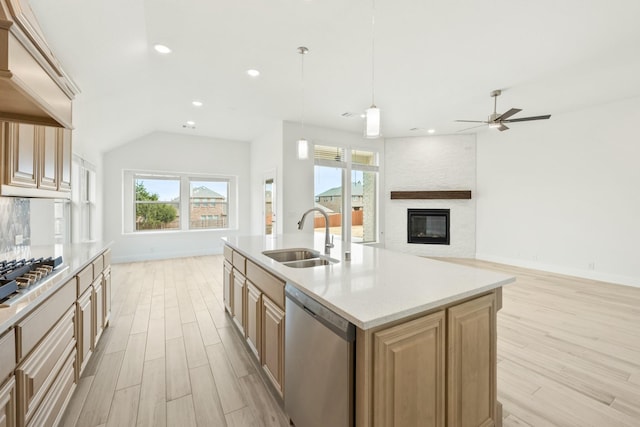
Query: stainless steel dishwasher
point(319, 364)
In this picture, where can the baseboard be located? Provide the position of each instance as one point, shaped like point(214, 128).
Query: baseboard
point(156, 256)
point(551, 268)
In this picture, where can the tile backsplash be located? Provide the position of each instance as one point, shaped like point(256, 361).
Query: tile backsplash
point(14, 221)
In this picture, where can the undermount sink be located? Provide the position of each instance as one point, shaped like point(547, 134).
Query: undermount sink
point(286, 255)
point(308, 263)
point(299, 257)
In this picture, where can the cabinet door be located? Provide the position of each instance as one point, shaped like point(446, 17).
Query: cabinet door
point(8, 403)
point(98, 310)
point(238, 300)
point(48, 161)
point(107, 296)
point(253, 326)
point(21, 140)
point(273, 343)
point(64, 159)
point(85, 330)
point(471, 363)
point(226, 288)
point(409, 373)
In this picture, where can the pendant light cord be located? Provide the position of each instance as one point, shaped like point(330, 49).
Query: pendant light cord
point(373, 51)
point(302, 51)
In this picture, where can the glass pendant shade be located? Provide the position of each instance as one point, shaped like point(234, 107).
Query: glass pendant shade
point(303, 149)
point(372, 128)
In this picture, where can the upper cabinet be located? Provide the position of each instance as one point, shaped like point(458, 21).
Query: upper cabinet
point(35, 109)
point(33, 86)
point(36, 160)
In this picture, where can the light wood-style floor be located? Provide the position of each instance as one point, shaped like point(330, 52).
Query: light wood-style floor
point(568, 349)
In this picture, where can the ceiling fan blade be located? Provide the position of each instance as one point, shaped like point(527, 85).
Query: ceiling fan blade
point(526, 119)
point(471, 121)
point(472, 127)
point(502, 127)
point(509, 113)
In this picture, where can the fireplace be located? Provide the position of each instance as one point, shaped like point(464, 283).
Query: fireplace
point(428, 226)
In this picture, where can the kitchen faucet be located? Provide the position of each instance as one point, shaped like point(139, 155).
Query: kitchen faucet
point(328, 243)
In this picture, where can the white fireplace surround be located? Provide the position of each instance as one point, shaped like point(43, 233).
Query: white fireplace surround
point(431, 163)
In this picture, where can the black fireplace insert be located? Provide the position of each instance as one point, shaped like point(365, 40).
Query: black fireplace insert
point(428, 226)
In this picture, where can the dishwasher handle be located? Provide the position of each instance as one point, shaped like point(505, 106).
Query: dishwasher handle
point(337, 324)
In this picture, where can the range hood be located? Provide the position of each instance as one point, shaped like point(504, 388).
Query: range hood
point(33, 86)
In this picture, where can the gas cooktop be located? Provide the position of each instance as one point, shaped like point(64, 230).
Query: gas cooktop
point(17, 277)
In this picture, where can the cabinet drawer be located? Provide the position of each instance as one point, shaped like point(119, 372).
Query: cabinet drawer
point(38, 371)
point(98, 266)
point(106, 257)
point(239, 262)
point(269, 284)
point(52, 408)
point(228, 253)
point(31, 329)
point(8, 403)
point(85, 277)
point(7, 354)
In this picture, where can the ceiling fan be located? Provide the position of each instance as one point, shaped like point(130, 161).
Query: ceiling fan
point(498, 121)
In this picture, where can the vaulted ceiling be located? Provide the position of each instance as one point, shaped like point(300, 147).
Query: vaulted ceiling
point(434, 62)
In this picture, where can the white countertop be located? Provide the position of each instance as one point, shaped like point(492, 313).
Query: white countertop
point(74, 257)
point(377, 286)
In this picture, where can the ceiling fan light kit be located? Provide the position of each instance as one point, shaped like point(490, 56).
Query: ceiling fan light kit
point(497, 121)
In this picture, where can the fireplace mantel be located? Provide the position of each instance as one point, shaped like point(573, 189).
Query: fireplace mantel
point(415, 195)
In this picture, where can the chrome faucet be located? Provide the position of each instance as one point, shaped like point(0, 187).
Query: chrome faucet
point(328, 243)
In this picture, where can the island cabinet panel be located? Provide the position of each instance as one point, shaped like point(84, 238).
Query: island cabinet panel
point(7, 354)
point(409, 372)
point(471, 363)
point(273, 343)
point(269, 284)
point(254, 323)
point(8, 403)
point(239, 300)
point(227, 283)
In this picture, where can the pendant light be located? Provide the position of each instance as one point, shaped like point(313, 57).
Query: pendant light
point(372, 117)
point(303, 144)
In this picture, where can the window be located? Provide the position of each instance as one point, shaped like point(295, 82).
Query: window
point(170, 202)
point(346, 185)
point(209, 206)
point(157, 203)
point(83, 209)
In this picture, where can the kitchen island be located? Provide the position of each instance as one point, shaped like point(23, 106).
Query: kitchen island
point(425, 351)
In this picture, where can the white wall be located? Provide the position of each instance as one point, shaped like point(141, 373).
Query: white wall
point(562, 195)
point(168, 152)
point(266, 158)
point(431, 163)
point(298, 174)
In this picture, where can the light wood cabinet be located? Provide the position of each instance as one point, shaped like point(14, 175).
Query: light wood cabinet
point(471, 363)
point(409, 372)
point(47, 157)
point(254, 319)
point(36, 160)
point(273, 343)
point(21, 148)
point(226, 286)
point(8, 403)
point(98, 310)
point(238, 300)
point(435, 369)
point(107, 296)
point(84, 308)
point(64, 161)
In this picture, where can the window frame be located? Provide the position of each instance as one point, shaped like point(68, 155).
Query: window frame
point(129, 203)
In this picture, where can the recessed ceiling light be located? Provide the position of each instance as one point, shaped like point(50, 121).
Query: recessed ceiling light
point(253, 73)
point(431, 131)
point(197, 103)
point(160, 48)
